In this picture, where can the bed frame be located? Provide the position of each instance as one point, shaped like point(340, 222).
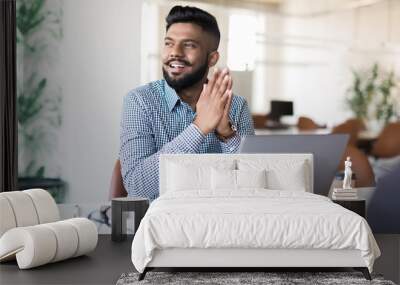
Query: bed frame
point(248, 259)
point(260, 259)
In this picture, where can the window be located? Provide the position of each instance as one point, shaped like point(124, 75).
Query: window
point(242, 42)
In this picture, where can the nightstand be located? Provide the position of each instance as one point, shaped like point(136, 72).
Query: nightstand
point(357, 206)
point(137, 205)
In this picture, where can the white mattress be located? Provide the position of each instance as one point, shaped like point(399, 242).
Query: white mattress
point(252, 219)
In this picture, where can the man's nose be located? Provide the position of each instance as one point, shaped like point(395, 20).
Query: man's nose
point(176, 51)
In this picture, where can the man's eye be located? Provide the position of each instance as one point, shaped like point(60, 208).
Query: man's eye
point(168, 44)
point(190, 45)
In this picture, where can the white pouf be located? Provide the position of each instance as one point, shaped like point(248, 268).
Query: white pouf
point(7, 218)
point(31, 233)
point(23, 209)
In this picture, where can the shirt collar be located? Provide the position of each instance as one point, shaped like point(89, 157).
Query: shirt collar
point(171, 96)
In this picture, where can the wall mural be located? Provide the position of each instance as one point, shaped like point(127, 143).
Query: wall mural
point(39, 101)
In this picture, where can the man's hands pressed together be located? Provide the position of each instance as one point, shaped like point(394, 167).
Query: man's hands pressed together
point(224, 127)
point(214, 104)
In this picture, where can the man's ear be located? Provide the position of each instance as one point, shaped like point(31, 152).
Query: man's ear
point(213, 58)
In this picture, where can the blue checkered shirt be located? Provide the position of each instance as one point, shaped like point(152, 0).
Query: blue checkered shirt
point(156, 121)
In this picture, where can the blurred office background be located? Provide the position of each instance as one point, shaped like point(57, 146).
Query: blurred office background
point(329, 66)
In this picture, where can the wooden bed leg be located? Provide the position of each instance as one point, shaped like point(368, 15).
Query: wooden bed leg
point(142, 275)
point(364, 271)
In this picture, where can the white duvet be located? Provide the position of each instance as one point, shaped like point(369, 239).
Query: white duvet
point(252, 218)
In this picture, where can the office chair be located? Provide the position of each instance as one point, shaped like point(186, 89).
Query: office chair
point(117, 188)
point(305, 123)
point(259, 121)
point(388, 142)
point(351, 127)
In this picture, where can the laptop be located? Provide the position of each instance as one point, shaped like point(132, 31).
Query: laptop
point(327, 150)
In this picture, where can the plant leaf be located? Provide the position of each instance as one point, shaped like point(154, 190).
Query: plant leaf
point(40, 172)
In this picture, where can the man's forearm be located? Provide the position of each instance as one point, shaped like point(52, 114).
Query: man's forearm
point(142, 177)
point(188, 141)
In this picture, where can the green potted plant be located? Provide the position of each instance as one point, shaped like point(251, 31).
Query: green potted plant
point(372, 98)
point(386, 105)
point(38, 112)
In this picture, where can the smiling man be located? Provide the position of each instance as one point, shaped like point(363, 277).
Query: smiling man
point(185, 112)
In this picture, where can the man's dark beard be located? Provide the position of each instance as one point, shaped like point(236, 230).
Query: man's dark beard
point(187, 80)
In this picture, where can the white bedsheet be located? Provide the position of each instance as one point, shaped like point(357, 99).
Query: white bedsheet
point(252, 218)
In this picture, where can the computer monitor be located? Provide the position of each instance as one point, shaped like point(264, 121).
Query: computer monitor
point(327, 150)
point(280, 108)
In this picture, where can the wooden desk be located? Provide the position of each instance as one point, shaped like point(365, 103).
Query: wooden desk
point(292, 131)
point(365, 139)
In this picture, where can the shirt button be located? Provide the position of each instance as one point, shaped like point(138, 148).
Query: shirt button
point(231, 149)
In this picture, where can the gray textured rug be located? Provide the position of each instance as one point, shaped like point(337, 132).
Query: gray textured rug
point(243, 278)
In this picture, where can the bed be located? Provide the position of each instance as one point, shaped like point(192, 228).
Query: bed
point(245, 211)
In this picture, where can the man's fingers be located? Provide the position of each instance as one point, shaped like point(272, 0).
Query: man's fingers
point(228, 103)
point(223, 100)
point(219, 95)
point(211, 82)
point(204, 90)
point(219, 82)
point(230, 83)
point(203, 93)
point(224, 85)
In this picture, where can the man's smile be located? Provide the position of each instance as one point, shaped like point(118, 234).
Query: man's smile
point(177, 67)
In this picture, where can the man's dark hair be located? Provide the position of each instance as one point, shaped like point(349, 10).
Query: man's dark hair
point(187, 14)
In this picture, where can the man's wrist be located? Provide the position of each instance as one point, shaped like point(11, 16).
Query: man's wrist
point(226, 135)
point(202, 130)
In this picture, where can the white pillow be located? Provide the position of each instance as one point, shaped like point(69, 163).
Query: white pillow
point(188, 176)
point(183, 178)
point(290, 174)
point(223, 179)
point(251, 179)
point(236, 179)
point(290, 179)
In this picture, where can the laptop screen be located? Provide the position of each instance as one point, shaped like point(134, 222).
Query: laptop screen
point(327, 150)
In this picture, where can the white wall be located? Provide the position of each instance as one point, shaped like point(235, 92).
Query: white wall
point(99, 64)
point(329, 42)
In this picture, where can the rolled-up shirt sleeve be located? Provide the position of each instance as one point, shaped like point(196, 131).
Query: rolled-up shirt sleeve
point(138, 154)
